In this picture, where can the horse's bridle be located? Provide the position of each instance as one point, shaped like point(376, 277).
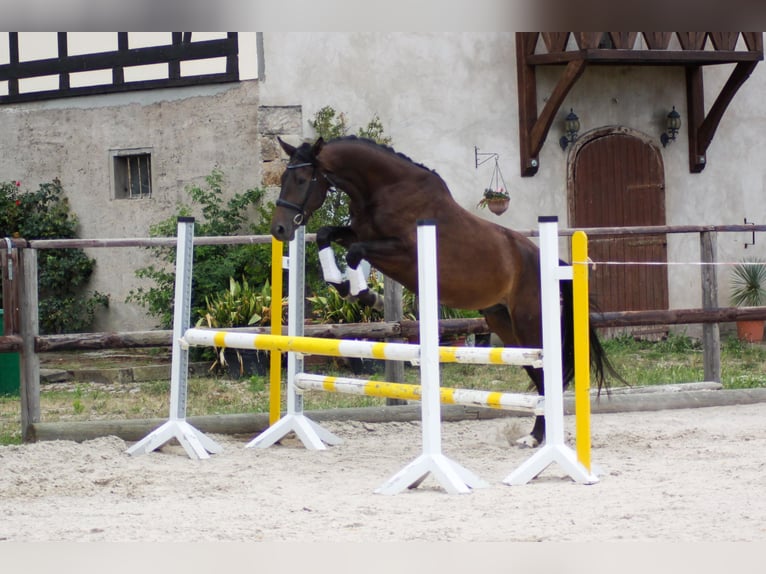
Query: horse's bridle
point(301, 209)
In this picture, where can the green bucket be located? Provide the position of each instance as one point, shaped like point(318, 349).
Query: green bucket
point(10, 374)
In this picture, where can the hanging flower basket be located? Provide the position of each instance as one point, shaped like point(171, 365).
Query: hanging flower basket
point(496, 198)
point(498, 206)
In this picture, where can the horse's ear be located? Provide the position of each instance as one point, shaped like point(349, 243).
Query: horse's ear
point(289, 150)
point(317, 147)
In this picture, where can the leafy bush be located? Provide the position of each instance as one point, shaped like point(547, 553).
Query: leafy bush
point(64, 304)
point(213, 265)
point(241, 305)
point(330, 307)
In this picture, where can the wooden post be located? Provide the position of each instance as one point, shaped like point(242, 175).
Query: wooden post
point(9, 258)
point(29, 329)
point(711, 336)
point(392, 312)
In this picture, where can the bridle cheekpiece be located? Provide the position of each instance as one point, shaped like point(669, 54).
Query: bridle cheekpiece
point(301, 209)
point(300, 216)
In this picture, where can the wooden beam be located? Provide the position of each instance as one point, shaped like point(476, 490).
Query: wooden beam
point(707, 130)
point(533, 129)
point(571, 74)
point(695, 104)
point(253, 423)
point(527, 95)
point(676, 316)
point(701, 128)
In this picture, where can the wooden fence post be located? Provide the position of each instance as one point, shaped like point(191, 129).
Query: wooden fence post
point(392, 312)
point(711, 336)
point(29, 329)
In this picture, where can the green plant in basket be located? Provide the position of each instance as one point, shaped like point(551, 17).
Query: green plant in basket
point(490, 195)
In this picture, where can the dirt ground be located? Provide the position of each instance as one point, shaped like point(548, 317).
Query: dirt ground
point(692, 475)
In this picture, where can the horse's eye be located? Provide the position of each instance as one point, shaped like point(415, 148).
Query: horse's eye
point(301, 180)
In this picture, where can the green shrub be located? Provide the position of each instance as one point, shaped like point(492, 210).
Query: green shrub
point(65, 306)
point(213, 265)
point(241, 305)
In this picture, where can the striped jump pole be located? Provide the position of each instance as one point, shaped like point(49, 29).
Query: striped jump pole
point(361, 349)
point(448, 396)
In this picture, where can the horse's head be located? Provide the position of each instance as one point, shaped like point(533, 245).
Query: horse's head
point(304, 188)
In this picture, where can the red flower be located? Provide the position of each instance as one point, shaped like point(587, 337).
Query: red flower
point(18, 184)
point(18, 202)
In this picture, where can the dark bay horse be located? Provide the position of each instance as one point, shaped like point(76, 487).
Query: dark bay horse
point(481, 265)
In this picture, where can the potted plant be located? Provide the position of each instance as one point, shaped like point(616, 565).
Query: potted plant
point(496, 200)
point(747, 290)
point(241, 305)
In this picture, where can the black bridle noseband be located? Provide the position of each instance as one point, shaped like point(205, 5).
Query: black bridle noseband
point(301, 209)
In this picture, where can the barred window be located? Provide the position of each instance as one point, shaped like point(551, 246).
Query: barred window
point(132, 174)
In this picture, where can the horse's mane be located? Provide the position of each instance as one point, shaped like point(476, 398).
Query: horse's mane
point(382, 147)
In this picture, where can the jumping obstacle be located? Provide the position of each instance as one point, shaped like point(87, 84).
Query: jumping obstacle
point(451, 475)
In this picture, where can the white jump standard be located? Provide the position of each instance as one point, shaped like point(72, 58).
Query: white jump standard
point(195, 443)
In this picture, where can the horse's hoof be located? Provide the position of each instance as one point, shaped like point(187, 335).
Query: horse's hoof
point(528, 442)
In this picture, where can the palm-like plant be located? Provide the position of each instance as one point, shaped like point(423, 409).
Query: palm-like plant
point(747, 283)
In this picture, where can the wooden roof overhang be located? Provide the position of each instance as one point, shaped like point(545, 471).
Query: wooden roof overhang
point(697, 49)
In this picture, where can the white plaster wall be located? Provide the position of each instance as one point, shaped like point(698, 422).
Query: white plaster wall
point(439, 95)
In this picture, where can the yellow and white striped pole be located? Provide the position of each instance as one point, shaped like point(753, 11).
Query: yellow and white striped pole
point(448, 396)
point(582, 346)
point(275, 364)
point(363, 349)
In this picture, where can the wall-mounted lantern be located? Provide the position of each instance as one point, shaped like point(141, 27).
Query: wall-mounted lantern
point(571, 127)
point(672, 125)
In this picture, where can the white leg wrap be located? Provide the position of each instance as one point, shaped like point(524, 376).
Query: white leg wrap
point(356, 280)
point(329, 268)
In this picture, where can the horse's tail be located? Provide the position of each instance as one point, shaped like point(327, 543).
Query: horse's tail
point(601, 367)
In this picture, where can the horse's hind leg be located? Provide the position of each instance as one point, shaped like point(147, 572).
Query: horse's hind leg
point(499, 321)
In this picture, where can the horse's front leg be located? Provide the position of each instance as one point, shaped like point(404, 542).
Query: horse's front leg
point(377, 253)
point(332, 275)
point(355, 288)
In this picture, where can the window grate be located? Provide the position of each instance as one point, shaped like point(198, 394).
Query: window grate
point(132, 176)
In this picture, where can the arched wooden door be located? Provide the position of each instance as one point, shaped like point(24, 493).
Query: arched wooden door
point(616, 179)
